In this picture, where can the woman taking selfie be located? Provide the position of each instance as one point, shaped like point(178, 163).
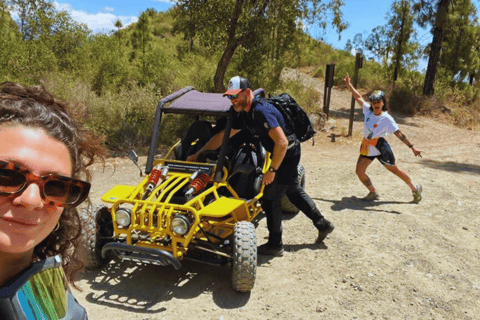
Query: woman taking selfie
point(43, 153)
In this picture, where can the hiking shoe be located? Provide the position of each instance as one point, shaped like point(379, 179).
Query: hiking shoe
point(372, 196)
point(324, 231)
point(417, 195)
point(268, 249)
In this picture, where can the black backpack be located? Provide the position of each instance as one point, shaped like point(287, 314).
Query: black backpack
point(295, 117)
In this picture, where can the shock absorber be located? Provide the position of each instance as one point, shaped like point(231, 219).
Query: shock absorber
point(199, 182)
point(156, 175)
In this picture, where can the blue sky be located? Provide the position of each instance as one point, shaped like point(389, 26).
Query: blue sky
point(362, 16)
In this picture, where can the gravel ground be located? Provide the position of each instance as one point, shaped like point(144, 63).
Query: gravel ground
point(390, 259)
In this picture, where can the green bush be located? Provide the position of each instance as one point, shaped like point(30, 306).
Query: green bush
point(307, 97)
point(319, 72)
point(403, 101)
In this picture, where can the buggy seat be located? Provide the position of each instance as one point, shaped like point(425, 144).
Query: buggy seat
point(199, 132)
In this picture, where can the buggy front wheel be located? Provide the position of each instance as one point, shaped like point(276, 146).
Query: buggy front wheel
point(100, 235)
point(244, 268)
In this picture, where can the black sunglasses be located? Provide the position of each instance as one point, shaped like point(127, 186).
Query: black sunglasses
point(55, 189)
point(234, 96)
point(40, 292)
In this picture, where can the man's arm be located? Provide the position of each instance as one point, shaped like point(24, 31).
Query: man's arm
point(356, 95)
point(214, 143)
point(400, 135)
point(279, 151)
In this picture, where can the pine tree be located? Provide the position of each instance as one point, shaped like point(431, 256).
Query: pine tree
point(142, 37)
point(460, 47)
point(433, 13)
point(401, 32)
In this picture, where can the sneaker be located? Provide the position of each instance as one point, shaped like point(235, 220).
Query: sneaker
point(268, 249)
point(417, 194)
point(324, 231)
point(372, 196)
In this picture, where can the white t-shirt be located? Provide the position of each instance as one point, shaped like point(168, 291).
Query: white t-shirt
point(377, 127)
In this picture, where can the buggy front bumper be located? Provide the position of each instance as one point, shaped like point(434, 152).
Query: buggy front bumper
point(142, 254)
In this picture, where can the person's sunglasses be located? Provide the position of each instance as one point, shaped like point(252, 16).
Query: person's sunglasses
point(376, 96)
point(55, 189)
point(234, 96)
point(40, 292)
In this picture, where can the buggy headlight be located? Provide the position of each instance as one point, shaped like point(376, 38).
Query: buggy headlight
point(180, 225)
point(123, 217)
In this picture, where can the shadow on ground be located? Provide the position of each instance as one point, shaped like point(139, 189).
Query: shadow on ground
point(141, 288)
point(354, 203)
point(452, 166)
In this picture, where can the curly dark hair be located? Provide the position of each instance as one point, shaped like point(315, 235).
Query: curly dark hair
point(35, 107)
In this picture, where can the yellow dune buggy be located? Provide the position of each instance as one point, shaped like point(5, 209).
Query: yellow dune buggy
point(204, 211)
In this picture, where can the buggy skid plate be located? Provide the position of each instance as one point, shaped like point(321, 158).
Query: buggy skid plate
point(135, 253)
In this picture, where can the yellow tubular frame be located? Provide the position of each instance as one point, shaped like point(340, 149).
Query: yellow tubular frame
point(151, 217)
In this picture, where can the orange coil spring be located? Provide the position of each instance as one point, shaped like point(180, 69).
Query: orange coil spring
point(154, 176)
point(200, 182)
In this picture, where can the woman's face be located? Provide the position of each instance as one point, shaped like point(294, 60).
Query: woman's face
point(377, 106)
point(25, 220)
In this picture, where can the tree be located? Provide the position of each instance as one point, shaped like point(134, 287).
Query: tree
point(118, 24)
point(35, 16)
point(231, 24)
point(394, 43)
point(358, 44)
point(401, 24)
point(348, 46)
point(10, 44)
point(434, 13)
point(67, 39)
point(459, 55)
point(380, 44)
point(142, 37)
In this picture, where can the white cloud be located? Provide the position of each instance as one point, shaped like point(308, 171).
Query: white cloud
point(101, 21)
point(164, 1)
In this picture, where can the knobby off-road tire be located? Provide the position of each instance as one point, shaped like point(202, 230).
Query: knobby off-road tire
point(97, 233)
point(287, 206)
point(244, 270)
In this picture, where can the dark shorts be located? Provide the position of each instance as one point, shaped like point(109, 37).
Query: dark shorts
point(386, 156)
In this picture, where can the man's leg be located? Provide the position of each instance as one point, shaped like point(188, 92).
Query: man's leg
point(302, 201)
point(272, 206)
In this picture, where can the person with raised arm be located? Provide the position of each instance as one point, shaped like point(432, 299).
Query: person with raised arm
point(377, 124)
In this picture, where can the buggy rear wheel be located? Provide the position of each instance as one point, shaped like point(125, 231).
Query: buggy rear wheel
point(287, 206)
point(98, 236)
point(244, 268)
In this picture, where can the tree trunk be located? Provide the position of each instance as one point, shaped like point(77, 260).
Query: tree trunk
point(436, 47)
point(222, 66)
point(232, 44)
point(399, 52)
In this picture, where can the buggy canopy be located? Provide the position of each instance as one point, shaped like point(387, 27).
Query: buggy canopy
point(194, 102)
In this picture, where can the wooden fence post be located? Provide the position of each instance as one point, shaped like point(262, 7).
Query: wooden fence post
point(358, 65)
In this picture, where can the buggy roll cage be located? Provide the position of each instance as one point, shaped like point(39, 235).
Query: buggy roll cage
point(195, 103)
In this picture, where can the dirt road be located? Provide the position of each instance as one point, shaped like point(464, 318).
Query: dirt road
point(391, 259)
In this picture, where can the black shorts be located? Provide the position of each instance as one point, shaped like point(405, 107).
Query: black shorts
point(386, 156)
